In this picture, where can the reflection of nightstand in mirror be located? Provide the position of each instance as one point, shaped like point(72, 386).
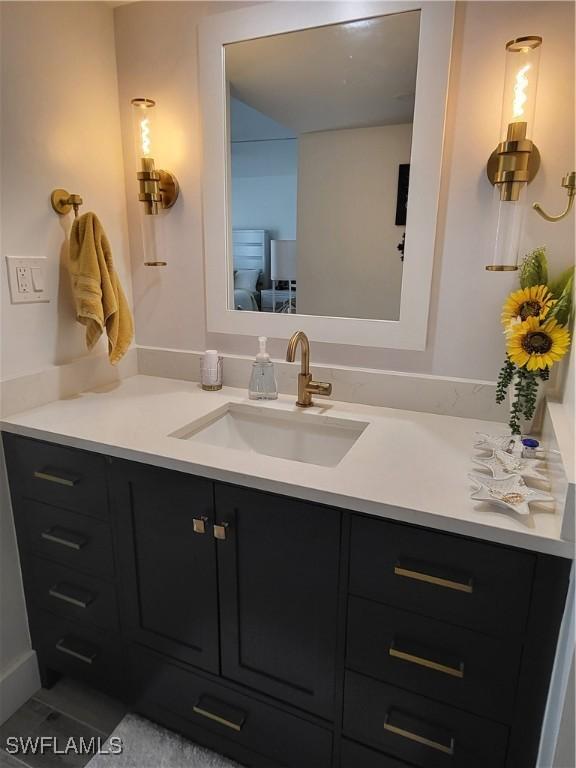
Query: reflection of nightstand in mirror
point(272, 301)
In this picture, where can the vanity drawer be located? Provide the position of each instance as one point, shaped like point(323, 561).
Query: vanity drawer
point(71, 539)
point(356, 756)
point(481, 586)
point(82, 653)
point(226, 717)
point(462, 668)
point(66, 477)
point(71, 594)
point(419, 730)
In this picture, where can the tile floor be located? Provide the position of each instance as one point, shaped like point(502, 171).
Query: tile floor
point(68, 709)
point(73, 710)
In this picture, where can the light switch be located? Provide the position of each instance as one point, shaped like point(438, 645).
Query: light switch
point(37, 279)
point(27, 279)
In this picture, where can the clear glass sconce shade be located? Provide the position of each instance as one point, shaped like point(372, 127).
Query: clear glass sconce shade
point(520, 83)
point(507, 220)
point(143, 114)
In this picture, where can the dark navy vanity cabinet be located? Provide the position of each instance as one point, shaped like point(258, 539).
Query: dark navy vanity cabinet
point(280, 632)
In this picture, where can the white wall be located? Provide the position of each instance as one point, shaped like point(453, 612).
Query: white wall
point(464, 333)
point(348, 261)
point(60, 128)
point(565, 755)
point(264, 186)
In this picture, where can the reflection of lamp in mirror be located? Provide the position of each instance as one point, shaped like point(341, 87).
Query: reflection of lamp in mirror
point(283, 268)
point(516, 160)
point(155, 186)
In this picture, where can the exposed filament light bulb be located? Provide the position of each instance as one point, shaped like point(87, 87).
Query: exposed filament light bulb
point(145, 138)
point(520, 97)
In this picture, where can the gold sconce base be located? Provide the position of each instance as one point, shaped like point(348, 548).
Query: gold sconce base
point(156, 187)
point(510, 167)
point(169, 188)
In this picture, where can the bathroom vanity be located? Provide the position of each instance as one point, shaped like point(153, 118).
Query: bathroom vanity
point(267, 617)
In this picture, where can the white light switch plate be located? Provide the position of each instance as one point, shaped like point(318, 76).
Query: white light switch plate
point(27, 279)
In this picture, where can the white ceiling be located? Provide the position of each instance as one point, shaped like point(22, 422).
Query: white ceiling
point(357, 74)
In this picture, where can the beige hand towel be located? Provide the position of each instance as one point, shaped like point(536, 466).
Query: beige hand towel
point(98, 296)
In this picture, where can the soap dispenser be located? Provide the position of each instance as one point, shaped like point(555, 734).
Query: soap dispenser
point(262, 381)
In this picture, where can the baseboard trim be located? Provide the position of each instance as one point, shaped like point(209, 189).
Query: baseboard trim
point(18, 683)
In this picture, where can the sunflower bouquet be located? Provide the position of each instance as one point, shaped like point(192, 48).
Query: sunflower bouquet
point(535, 320)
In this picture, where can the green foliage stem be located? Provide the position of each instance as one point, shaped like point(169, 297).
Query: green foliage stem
point(534, 269)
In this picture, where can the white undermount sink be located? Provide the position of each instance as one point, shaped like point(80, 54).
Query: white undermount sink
point(298, 436)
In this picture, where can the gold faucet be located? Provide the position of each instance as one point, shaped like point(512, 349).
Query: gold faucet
point(306, 387)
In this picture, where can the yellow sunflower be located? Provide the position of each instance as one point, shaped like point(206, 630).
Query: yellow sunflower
point(536, 346)
point(535, 301)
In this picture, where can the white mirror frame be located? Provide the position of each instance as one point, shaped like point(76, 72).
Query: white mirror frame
point(409, 332)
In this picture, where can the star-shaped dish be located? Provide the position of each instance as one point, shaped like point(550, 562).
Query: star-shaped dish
point(509, 443)
point(502, 465)
point(512, 493)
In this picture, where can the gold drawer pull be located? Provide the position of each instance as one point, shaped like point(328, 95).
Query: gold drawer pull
point(87, 657)
point(447, 749)
point(68, 593)
point(397, 653)
point(220, 712)
point(64, 537)
point(216, 718)
point(438, 581)
point(61, 479)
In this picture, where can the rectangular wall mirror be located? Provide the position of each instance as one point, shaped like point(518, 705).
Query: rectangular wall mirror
point(323, 130)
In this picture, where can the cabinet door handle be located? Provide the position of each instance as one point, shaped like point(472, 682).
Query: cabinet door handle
point(199, 524)
point(62, 478)
point(220, 530)
point(413, 658)
point(215, 710)
point(431, 575)
point(83, 651)
point(398, 730)
point(68, 593)
point(66, 538)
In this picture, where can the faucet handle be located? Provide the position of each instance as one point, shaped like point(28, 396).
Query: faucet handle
point(319, 388)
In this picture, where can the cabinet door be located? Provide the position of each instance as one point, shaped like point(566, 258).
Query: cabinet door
point(167, 561)
point(278, 574)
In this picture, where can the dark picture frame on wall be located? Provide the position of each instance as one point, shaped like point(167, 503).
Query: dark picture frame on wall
point(402, 195)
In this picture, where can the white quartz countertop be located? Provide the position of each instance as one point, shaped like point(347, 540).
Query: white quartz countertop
point(406, 466)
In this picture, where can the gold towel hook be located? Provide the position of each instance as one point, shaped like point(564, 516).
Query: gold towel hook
point(569, 183)
point(63, 202)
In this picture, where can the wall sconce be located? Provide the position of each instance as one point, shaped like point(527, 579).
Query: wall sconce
point(156, 186)
point(516, 160)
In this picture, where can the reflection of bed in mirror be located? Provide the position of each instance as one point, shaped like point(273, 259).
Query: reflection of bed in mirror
point(264, 272)
point(251, 255)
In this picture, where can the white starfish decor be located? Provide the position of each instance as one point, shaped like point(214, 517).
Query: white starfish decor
point(512, 493)
point(502, 465)
point(509, 443)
